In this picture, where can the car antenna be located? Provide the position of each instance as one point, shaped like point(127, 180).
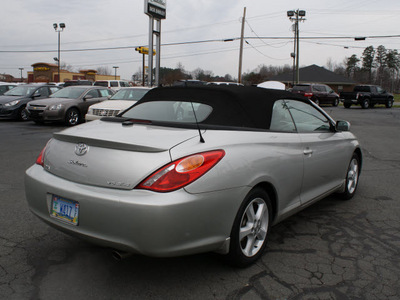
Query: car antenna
point(197, 124)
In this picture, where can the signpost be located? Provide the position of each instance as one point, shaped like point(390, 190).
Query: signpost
point(156, 10)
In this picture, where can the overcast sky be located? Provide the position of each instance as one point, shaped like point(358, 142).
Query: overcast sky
point(92, 24)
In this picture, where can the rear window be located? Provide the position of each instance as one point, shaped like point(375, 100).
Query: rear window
point(362, 89)
point(170, 111)
point(101, 83)
point(301, 88)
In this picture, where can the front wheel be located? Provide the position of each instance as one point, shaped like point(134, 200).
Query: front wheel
point(72, 117)
point(346, 105)
point(335, 102)
point(23, 114)
point(352, 175)
point(389, 103)
point(250, 229)
point(365, 103)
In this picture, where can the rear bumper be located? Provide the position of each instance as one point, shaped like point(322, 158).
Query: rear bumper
point(139, 221)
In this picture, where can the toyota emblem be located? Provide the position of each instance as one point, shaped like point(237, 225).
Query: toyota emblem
point(81, 149)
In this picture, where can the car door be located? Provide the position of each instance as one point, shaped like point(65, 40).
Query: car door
point(91, 97)
point(324, 151)
point(289, 169)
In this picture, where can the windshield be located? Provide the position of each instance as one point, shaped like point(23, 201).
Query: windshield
point(21, 91)
point(170, 111)
point(69, 93)
point(130, 94)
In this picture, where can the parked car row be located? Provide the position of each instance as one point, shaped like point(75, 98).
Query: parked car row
point(51, 103)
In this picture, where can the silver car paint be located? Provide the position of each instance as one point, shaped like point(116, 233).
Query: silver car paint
point(194, 219)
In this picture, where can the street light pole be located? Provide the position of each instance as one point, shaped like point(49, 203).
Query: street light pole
point(115, 76)
point(296, 16)
point(58, 28)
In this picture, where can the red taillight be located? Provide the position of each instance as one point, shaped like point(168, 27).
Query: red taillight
point(40, 159)
point(181, 172)
point(308, 95)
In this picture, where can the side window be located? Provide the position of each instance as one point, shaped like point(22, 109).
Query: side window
point(281, 119)
point(93, 93)
point(104, 93)
point(53, 89)
point(114, 83)
point(307, 118)
point(43, 91)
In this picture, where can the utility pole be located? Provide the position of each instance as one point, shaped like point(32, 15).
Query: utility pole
point(241, 47)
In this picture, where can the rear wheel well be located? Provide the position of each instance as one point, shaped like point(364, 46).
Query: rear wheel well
point(358, 152)
point(270, 189)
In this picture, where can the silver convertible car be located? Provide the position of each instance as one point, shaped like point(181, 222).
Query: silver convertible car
point(193, 169)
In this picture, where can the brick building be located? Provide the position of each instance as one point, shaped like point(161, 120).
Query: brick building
point(45, 72)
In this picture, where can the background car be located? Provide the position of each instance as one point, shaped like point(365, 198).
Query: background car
point(77, 82)
point(120, 101)
point(216, 178)
point(68, 105)
point(112, 84)
point(5, 87)
point(319, 93)
point(13, 102)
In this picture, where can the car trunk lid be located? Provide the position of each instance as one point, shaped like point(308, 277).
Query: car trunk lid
point(111, 155)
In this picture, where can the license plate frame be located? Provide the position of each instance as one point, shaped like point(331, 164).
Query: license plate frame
point(65, 210)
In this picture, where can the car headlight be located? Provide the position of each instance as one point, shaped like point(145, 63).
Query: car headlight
point(12, 103)
point(55, 107)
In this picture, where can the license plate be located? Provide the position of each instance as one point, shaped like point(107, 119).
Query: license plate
point(65, 210)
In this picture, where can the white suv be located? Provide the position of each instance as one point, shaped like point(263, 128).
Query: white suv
point(112, 84)
point(120, 101)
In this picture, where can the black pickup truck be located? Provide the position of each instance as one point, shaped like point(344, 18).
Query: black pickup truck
point(367, 96)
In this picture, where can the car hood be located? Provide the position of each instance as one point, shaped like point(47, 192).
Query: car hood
point(50, 101)
point(117, 156)
point(5, 99)
point(114, 104)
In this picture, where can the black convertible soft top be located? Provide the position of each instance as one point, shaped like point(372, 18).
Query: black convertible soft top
point(234, 106)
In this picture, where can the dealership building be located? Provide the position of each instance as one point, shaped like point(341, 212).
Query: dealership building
point(44, 72)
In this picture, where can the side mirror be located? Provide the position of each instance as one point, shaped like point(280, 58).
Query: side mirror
point(342, 126)
point(87, 97)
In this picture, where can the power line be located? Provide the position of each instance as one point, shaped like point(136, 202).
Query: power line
point(206, 41)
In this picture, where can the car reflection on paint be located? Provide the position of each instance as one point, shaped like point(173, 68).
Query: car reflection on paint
point(194, 169)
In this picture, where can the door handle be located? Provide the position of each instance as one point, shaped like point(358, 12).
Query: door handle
point(308, 151)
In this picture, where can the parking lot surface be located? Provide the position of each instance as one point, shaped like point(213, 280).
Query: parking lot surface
point(332, 250)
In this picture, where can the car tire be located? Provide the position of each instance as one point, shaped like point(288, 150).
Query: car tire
point(250, 229)
point(389, 103)
point(316, 101)
point(365, 103)
point(22, 114)
point(72, 117)
point(346, 105)
point(335, 102)
point(352, 176)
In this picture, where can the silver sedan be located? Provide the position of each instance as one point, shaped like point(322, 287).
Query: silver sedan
point(193, 169)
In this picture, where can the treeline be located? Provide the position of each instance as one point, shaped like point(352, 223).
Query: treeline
point(375, 66)
point(262, 73)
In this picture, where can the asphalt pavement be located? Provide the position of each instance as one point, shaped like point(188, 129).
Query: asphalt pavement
point(332, 250)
